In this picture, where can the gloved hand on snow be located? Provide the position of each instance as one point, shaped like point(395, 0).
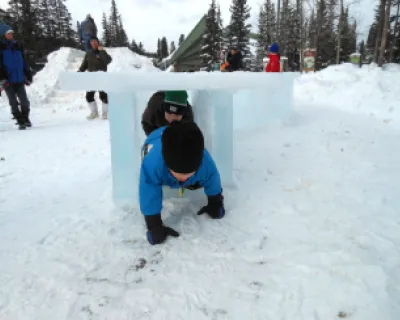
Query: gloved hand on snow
point(156, 232)
point(215, 207)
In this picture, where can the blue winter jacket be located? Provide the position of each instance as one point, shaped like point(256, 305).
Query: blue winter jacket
point(154, 174)
point(13, 66)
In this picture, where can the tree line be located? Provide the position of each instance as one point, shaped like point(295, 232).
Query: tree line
point(383, 42)
point(326, 27)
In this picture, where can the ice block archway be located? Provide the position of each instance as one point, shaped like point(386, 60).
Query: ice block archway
point(214, 97)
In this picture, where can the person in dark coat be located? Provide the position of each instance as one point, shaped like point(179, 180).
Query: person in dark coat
point(175, 156)
point(234, 61)
point(165, 107)
point(88, 31)
point(15, 73)
point(96, 59)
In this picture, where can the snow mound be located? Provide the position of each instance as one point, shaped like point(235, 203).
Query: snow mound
point(125, 60)
point(45, 88)
point(46, 80)
point(369, 89)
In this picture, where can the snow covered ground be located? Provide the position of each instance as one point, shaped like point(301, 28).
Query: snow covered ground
point(311, 233)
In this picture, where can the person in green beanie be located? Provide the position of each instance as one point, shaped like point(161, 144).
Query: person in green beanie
point(164, 107)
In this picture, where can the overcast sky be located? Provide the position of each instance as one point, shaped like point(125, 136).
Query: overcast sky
point(148, 20)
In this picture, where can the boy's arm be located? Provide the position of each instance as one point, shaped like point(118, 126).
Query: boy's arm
point(150, 195)
point(150, 190)
point(212, 186)
point(213, 189)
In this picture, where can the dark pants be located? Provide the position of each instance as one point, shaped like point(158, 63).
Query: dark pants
point(90, 96)
point(87, 44)
point(14, 93)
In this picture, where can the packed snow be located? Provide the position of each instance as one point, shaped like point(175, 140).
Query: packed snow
point(312, 230)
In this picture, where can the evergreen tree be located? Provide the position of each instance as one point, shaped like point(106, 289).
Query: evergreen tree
point(181, 39)
point(312, 31)
point(106, 31)
point(141, 49)
point(133, 46)
point(159, 49)
point(239, 29)
point(164, 48)
point(325, 38)
point(211, 38)
point(118, 36)
point(345, 49)
point(172, 47)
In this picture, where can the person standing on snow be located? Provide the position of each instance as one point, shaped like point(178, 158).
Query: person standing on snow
point(88, 31)
point(234, 61)
point(96, 59)
point(175, 156)
point(273, 64)
point(165, 107)
point(15, 73)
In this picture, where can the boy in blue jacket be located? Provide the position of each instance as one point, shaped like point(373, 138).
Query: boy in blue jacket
point(175, 156)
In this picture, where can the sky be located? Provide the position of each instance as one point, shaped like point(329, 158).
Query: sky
point(147, 20)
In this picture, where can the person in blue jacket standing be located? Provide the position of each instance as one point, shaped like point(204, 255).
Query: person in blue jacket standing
point(88, 31)
point(15, 73)
point(175, 156)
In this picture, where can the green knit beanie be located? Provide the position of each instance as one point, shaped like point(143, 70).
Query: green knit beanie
point(176, 98)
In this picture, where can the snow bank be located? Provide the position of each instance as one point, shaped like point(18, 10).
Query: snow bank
point(46, 80)
point(369, 90)
point(124, 60)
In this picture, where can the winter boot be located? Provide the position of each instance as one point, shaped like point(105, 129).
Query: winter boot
point(94, 113)
point(28, 122)
point(104, 111)
point(21, 124)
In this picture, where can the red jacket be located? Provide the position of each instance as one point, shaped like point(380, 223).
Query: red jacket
point(273, 65)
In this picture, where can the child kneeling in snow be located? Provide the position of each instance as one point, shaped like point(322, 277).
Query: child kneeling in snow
point(175, 156)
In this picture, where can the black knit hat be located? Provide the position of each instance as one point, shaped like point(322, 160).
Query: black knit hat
point(183, 147)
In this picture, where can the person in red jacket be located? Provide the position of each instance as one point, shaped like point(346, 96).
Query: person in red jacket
point(273, 64)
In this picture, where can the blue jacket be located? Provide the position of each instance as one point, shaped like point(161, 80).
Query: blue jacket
point(154, 174)
point(13, 66)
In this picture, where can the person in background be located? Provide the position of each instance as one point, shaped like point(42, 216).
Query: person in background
point(175, 156)
point(164, 107)
point(15, 73)
point(88, 31)
point(96, 59)
point(234, 61)
point(273, 64)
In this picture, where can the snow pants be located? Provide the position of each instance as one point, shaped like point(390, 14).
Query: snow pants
point(87, 44)
point(102, 94)
point(14, 93)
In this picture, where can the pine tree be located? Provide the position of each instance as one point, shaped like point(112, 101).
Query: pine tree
point(212, 39)
point(181, 39)
point(239, 29)
point(164, 48)
point(159, 49)
point(325, 42)
point(141, 49)
point(133, 46)
point(118, 36)
point(172, 47)
point(106, 32)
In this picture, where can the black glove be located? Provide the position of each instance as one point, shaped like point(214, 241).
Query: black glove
point(215, 207)
point(157, 232)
